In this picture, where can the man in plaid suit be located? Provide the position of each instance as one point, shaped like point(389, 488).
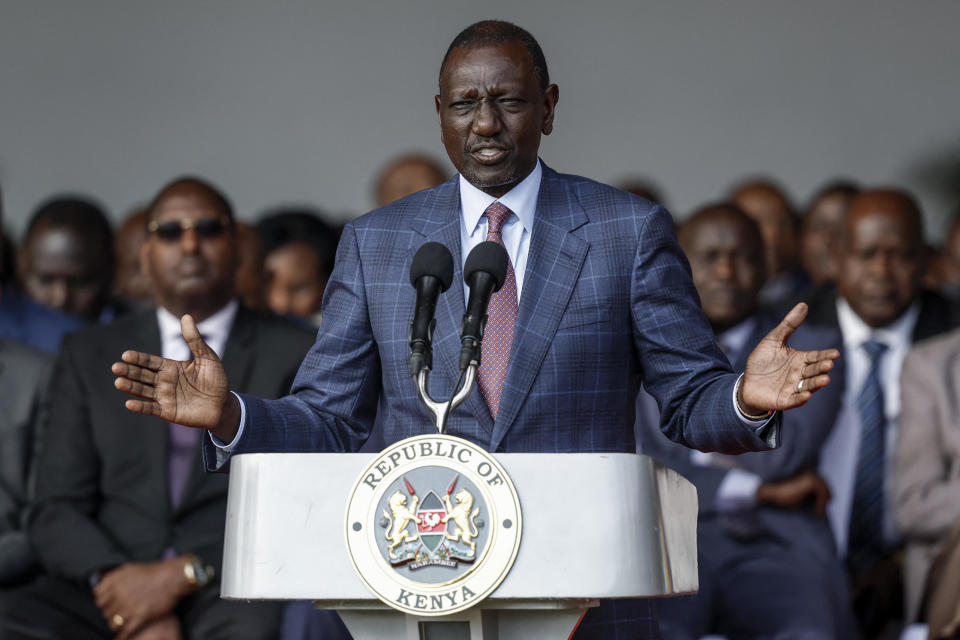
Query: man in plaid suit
point(603, 301)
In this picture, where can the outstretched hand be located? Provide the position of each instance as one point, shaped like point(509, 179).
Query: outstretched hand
point(193, 393)
point(778, 377)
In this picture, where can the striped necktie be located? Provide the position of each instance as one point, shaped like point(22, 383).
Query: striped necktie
point(866, 542)
point(501, 319)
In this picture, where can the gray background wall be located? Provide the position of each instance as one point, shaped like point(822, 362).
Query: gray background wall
point(303, 101)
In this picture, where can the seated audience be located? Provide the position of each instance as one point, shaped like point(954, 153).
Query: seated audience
point(926, 466)
point(24, 375)
point(948, 262)
point(250, 276)
point(22, 320)
point(127, 524)
point(300, 249)
point(820, 228)
point(131, 290)
point(881, 311)
point(769, 206)
point(66, 259)
point(768, 564)
point(643, 188)
point(405, 175)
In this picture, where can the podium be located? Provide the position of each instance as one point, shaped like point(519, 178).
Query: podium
point(595, 526)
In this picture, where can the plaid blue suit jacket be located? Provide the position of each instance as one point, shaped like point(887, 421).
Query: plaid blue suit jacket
point(607, 303)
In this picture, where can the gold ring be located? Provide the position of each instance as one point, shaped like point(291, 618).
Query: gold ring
point(800, 386)
point(117, 619)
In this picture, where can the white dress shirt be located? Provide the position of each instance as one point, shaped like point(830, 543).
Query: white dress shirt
point(522, 200)
point(838, 457)
point(215, 331)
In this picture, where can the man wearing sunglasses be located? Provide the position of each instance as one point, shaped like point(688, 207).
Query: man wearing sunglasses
point(127, 523)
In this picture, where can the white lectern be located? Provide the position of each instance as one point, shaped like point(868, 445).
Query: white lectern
point(594, 526)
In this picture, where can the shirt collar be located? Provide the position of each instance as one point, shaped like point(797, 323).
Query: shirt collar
point(898, 333)
point(214, 329)
point(522, 200)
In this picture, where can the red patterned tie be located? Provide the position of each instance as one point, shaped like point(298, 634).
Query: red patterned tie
point(501, 318)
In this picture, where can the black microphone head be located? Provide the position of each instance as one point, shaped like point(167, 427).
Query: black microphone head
point(433, 259)
point(488, 257)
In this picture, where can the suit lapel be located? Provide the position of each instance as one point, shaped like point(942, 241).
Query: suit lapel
point(554, 262)
point(441, 223)
point(152, 442)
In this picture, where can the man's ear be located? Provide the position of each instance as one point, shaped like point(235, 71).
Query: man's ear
point(550, 98)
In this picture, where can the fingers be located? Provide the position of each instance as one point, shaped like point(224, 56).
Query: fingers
point(820, 355)
point(783, 331)
point(146, 407)
point(136, 388)
point(140, 359)
point(816, 368)
point(191, 335)
point(814, 384)
point(133, 372)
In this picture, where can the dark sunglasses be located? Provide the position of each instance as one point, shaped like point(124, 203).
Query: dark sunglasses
point(172, 230)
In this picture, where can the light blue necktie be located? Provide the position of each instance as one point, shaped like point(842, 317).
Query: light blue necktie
point(866, 543)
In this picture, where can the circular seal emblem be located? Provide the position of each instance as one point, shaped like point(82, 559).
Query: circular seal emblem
point(433, 525)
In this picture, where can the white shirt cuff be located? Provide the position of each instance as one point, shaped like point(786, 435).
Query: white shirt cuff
point(756, 425)
point(218, 443)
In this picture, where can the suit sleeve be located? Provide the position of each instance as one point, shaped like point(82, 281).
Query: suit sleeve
point(681, 365)
point(62, 526)
point(926, 492)
point(333, 400)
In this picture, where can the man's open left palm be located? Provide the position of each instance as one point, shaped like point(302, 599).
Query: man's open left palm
point(778, 377)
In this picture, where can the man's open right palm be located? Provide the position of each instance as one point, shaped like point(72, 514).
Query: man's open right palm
point(191, 393)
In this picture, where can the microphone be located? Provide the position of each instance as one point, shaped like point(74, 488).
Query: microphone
point(484, 272)
point(431, 274)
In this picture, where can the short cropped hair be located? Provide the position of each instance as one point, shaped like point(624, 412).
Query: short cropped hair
point(494, 32)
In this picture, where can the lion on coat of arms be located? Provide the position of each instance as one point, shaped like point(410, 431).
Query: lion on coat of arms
point(400, 517)
point(461, 515)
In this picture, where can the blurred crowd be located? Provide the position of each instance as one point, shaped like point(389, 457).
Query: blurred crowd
point(851, 528)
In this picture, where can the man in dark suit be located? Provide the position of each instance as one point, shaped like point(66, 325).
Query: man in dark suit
point(24, 377)
point(880, 310)
point(597, 295)
point(127, 524)
point(768, 564)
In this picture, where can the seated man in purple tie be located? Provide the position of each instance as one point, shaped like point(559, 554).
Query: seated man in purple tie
point(127, 524)
point(598, 297)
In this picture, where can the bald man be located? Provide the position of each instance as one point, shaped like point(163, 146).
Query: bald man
point(406, 175)
point(767, 561)
point(769, 206)
point(881, 311)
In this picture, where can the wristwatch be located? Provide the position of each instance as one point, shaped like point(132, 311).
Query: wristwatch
point(196, 573)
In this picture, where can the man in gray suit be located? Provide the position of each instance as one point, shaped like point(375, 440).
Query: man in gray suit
point(768, 565)
point(926, 462)
point(127, 524)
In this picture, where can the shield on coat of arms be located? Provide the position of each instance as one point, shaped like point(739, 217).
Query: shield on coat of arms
point(432, 527)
